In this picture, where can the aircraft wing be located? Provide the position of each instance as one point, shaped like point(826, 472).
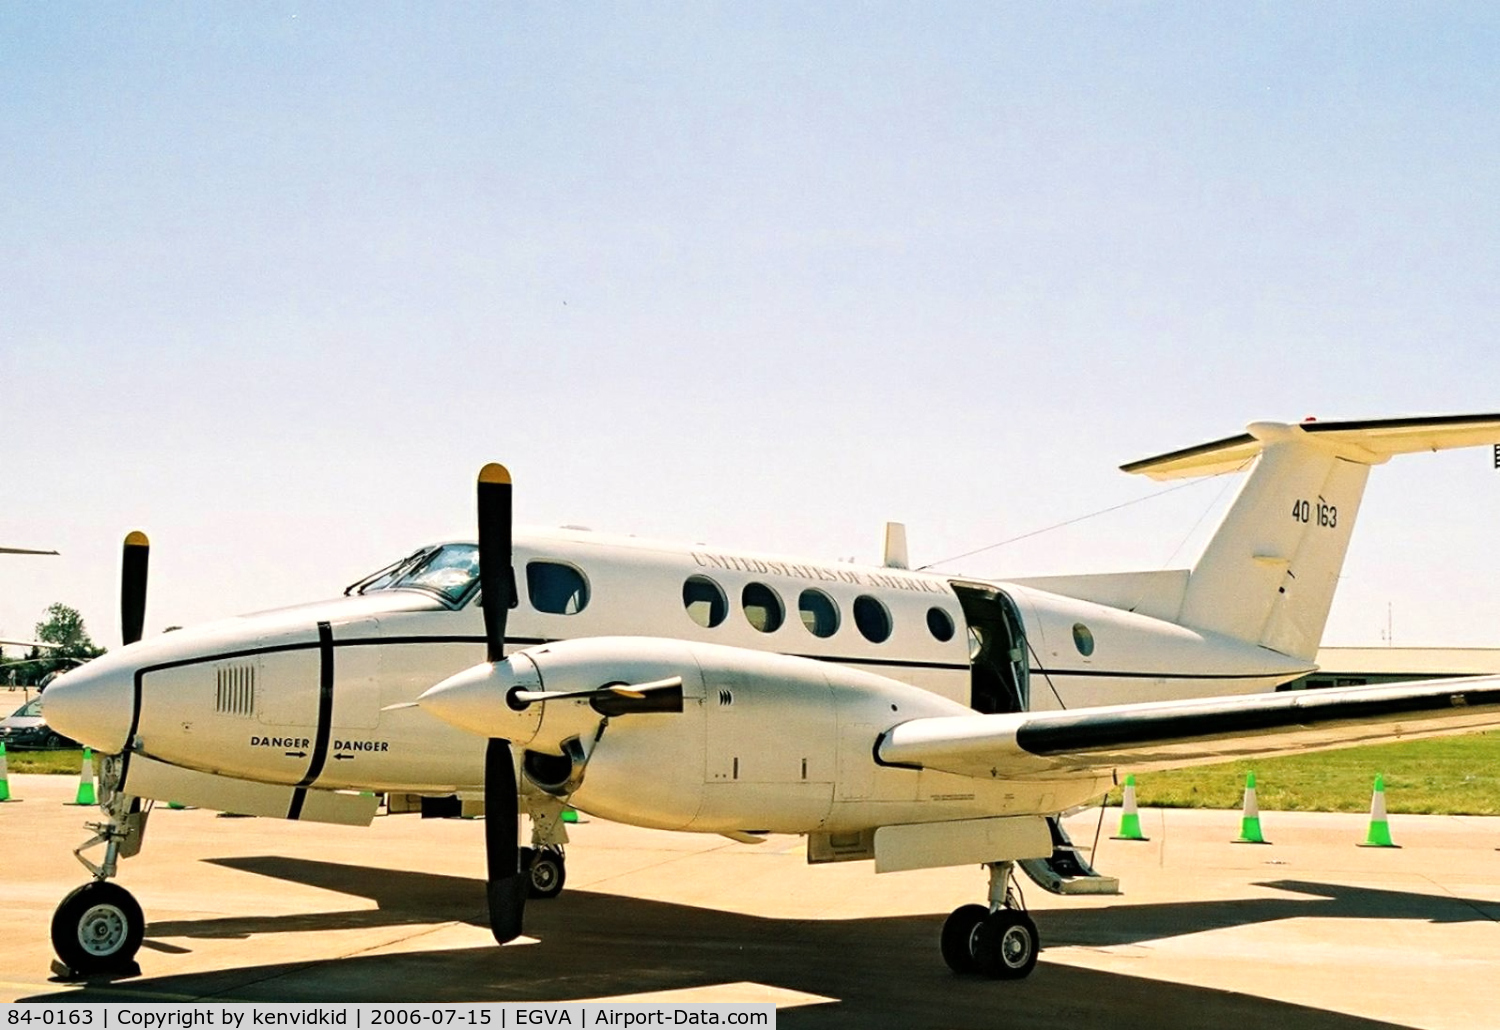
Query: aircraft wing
point(1173, 734)
point(27, 643)
point(22, 550)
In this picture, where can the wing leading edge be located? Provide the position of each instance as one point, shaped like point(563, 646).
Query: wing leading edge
point(1174, 734)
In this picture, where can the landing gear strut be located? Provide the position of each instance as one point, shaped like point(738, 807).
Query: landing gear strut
point(999, 941)
point(98, 927)
point(544, 859)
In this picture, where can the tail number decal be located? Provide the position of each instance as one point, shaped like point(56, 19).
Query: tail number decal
point(1325, 514)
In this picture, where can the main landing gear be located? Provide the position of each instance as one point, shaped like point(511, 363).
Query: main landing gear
point(98, 927)
point(999, 941)
point(544, 859)
point(548, 870)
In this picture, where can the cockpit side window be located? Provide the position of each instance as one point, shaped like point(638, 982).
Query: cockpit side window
point(556, 588)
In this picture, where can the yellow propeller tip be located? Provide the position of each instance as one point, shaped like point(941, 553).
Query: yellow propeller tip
point(494, 472)
point(135, 538)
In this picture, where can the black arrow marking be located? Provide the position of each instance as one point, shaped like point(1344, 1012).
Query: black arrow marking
point(295, 754)
point(343, 756)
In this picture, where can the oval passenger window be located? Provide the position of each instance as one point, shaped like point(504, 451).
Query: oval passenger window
point(872, 618)
point(1083, 639)
point(940, 624)
point(762, 607)
point(819, 614)
point(705, 601)
point(556, 588)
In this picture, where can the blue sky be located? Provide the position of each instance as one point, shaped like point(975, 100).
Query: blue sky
point(275, 281)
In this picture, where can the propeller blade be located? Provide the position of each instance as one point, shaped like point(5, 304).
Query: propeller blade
point(133, 562)
point(662, 696)
point(615, 699)
point(497, 579)
point(506, 887)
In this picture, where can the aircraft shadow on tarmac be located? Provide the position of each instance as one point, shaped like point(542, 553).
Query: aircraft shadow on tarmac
point(881, 971)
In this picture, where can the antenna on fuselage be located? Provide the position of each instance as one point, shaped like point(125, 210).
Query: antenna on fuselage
point(895, 546)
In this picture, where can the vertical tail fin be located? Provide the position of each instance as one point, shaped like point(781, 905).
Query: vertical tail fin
point(1268, 574)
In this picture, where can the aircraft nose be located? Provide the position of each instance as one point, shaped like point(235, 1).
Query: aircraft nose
point(93, 704)
point(475, 700)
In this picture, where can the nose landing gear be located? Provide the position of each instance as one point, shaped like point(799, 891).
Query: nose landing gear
point(98, 928)
point(999, 941)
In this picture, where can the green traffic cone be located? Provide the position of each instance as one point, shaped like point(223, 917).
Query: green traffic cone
point(570, 815)
point(1250, 821)
point(1380, 827)
point(1130, 819)
point(86, 780)
point(4, 777)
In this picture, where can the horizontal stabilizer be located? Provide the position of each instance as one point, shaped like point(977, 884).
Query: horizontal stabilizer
point(1174, 734)
point(1369, 442)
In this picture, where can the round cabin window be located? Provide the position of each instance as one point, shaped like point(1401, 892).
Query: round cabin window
point(872, 618)
point(940, 624)
point(705, 601)
point(1083, 639)
point(819, 614)
point(762, 606)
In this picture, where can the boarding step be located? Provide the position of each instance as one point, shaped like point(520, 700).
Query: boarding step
point(1066, 871)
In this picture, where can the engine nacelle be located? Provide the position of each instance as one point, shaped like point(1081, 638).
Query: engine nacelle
point(764, 742)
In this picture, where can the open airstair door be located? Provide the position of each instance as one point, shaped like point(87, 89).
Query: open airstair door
point(999, 673)
point(1066, 871)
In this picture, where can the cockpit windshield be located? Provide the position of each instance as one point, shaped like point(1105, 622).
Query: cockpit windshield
point(450, 571)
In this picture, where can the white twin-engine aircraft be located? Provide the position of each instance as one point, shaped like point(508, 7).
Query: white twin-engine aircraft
point(917, 719)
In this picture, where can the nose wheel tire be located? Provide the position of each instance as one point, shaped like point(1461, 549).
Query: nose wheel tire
point(1002, 945)
point(547, 873)
point(98, 929)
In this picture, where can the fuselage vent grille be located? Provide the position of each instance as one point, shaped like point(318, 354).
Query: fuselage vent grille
point(236, 690)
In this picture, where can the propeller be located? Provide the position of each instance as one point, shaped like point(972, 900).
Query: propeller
point(133, 563)
point(506, 886)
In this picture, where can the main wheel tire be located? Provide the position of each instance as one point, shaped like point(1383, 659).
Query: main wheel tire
point(98, 929)
point(959, 933)
point(1006, 945)
point(548, 873)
